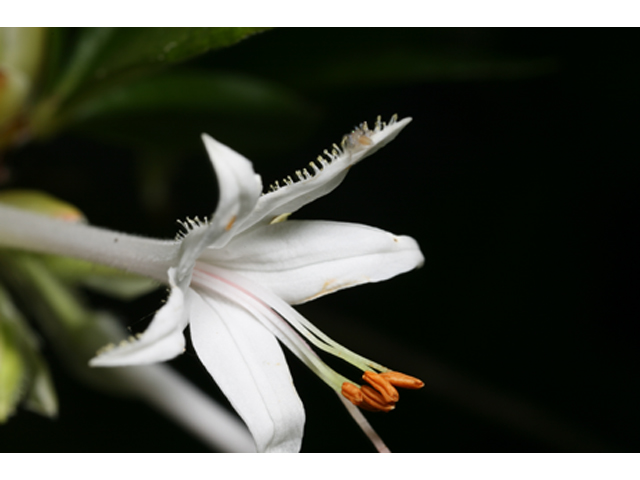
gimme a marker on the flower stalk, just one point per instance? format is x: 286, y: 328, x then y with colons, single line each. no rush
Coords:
x: 33, y: 232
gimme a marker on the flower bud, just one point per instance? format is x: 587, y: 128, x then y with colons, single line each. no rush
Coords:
x: 40, y: 202
x: 21, y: 53
x: 24, y: 376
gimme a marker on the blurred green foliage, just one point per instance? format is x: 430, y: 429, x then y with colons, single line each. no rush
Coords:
x: 123, y: 84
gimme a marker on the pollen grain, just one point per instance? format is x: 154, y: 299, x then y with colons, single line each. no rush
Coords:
x: 230, y: 224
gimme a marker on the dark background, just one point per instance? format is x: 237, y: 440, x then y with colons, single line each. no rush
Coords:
x: 521, y: 188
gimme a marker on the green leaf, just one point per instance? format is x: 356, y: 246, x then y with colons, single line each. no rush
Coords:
x: 171, y: 110
x: 107, y: 280
x: 218, y: 92
x: 107, y: 55
x: 59, y: 43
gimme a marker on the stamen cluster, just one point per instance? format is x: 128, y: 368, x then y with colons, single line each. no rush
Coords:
x: 380, y: 395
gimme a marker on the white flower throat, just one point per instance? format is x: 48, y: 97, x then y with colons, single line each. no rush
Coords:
x: 379, y: 391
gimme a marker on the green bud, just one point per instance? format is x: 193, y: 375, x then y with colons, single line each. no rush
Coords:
x: 12, y: 370
x: 21, y: 53
x: 22, y: 48
x: 41, y: 396
x: 40, y: 202
x: 24, y: 376
x: 74, y: 331
x: 14, y: 88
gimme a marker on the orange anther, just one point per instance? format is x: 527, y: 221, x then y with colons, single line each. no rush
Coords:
x: 352, y: 393
x: 230, y: 224
x: 403, y: 381
x: 366, y: 398
x: 370, y: 408
x: 373, y: 399
x: 364, y: 140
x: 382, y: 385
x: 380, y: 395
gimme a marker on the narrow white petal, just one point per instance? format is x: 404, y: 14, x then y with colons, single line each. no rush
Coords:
x: 239, y: 186
x: 163, y: 340
x: 303, y: 260
x: 328, y: 175
x: 249, y: 366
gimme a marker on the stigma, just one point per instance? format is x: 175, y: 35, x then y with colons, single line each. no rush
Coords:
x: 380, y: 393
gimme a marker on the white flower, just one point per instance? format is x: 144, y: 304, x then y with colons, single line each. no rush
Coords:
x: 237, y: 274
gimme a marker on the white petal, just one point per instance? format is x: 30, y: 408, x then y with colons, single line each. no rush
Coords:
x: 163, y: 339
x: 292, y: 197
x: 239, y: 188
x: 303, y: 260
x: 248, y: 365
